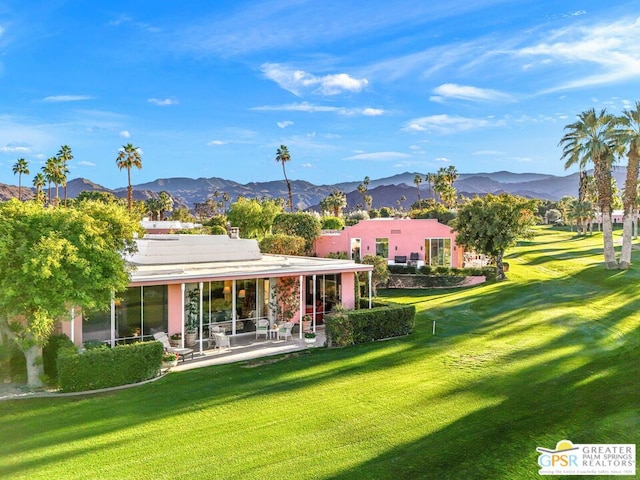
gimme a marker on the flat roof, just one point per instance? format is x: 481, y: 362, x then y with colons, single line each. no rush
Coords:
x: 189, y: 258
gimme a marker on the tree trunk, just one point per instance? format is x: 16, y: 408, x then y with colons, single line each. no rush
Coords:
x: 607, y: 234
x: 630, y: 199
x: 500, y: 267
x: 35, y: 369
x: 625, y: 254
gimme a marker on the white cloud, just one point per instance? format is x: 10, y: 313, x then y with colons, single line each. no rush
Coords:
x: 216, y: 143
x: 443, y: 159
x: 299, y: 81
x: 66, y: 98
x: 488, y: 152
x: 379, y: 156
x: 284, y: 124
x: 306, y: 165
x: 86, y: 164
x: 610, y: 51
x: 445, y: 124
x: 163, y: 103
x: 125, y: 134
x: 465, y: 92
x: 1, y: 30
x: 16, y: 147
x: 372, y: 112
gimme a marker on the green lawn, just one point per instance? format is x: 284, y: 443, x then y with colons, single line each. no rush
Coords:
x: 552, y: 353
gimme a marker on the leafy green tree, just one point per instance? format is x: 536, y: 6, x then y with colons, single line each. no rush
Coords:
x: 628, y: 133
x: 281, y: 244
x: 380, y: 274
x: 300, y: 224
x: 96, y: 195
x: 283, y: 156
x: 438, y: 212
x: 491, y: 224
x: 592, y: 139
x: 129, y: 157
x: 21, y: 167
x: 54, y: 258
x: 332, y: 223
x: 253, y: 217
x: 153, y: 206
x: 182, y: 214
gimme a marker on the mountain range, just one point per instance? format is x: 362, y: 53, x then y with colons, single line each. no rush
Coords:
x: 384, y: 191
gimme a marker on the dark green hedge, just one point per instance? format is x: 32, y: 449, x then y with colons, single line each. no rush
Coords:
x: 108, y: 367
x: 50, y: 354
x: 366, y: 325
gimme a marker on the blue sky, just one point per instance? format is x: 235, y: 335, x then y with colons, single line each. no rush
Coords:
x: 353, y: 88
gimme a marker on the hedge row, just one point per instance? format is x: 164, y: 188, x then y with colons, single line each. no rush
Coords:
x: 351, y: 327
x: 489, y: 272
x: 108, y: 367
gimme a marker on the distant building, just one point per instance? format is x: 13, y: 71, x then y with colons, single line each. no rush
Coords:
x: 400, y: 241
x: 167, y: 226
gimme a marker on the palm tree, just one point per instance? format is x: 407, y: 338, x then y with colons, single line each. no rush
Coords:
x: 64, y: 156
x: 225, y: 199
x: 20, y: 167
x: 628, y: 133
x: 283, y: 156
x: 39, y: 182
x: 335, y: 202
x: 166, y: 204
x: 51, y: 171
x: 417, y: 180
x: 591, y: 139
x: 128, y: 158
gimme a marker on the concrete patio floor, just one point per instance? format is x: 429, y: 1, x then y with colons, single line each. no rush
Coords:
x: 247, y: 347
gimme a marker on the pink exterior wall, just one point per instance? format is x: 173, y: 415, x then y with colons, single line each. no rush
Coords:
x: 348, y: 293
x: 405, y: 236
x: 174, y: 300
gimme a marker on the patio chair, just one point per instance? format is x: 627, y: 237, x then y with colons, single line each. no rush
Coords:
x: 262, y: 327
x: 163, y: 338
x: 284, y: 330
x: 222, y: 340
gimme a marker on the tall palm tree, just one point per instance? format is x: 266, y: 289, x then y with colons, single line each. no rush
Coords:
x: 417, y: 180
x: 20, y: 167
x: 334, y: 203
x: 628, y: 133
x: 591, y: 139
x: 129, y: 157
x: 51, y: 171
x: 165, y: 202
x: 39, y: 182
x: 283, y: 156
x: 64, y: 156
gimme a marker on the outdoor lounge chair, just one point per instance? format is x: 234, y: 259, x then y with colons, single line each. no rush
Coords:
x: 284, y: 330
x: 163, y: 338
x: 262, y: 327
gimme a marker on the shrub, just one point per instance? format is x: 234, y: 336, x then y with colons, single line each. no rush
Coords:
x: 345, y: 328
x: 50, y: 353
x: 108, y: 367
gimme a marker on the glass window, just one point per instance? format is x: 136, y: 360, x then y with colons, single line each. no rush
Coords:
x: 382, y: 247
x: 355, y: 249
x: 439, y: 252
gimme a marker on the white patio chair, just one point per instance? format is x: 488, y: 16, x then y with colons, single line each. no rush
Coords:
x: 163, y: 338
x: 222, y: 341
x: 284, y: 330
x: 262, y: 328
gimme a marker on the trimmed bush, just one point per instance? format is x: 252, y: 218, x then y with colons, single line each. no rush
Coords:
x: 50, y: 354
x: 349, y: 327
x: 108, y: 367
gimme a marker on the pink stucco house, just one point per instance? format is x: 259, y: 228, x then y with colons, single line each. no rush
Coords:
x: 410, y: 241
x: 228, y: 280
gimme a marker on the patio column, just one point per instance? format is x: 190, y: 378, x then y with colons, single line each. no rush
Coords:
x: 182, y: 289
x: 200, y: 286
x: 370, y: 276
x: 72, y: 331
x: 113, y: 320
x: 314, y: 312
x: 301, y: 304
x: 233, y: 307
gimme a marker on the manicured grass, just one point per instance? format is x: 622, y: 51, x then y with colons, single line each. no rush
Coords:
x: 552, y: 353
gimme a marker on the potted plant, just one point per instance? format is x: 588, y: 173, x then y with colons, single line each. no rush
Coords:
x: 306, y: 323
x: 309, y: 338
x: 176, y: 339
x: 169, y: 359
x: 191, y: 324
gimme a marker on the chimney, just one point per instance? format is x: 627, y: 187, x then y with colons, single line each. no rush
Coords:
x: 234, y: 232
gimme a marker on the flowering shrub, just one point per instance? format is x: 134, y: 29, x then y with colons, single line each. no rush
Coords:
x: 169, y: 357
